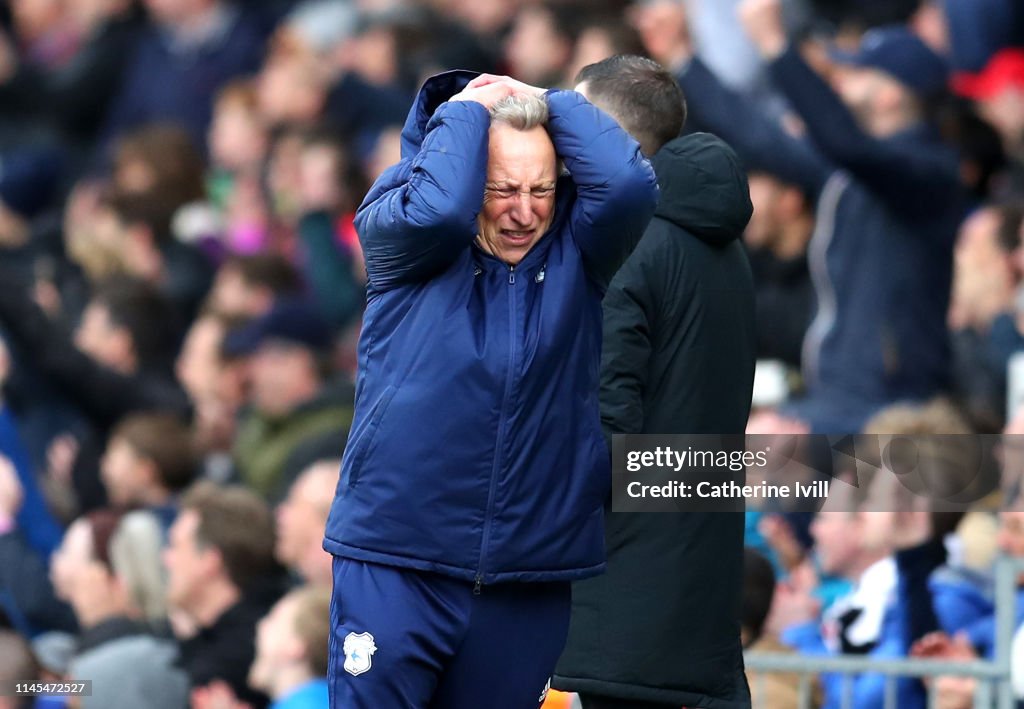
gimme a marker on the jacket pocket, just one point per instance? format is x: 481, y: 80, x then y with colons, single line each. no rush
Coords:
x: 365, y: 442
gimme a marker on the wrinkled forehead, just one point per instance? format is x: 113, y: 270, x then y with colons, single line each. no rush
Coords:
x: 520, y: 157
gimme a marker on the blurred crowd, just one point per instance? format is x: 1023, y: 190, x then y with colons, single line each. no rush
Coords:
x: 183, y: 288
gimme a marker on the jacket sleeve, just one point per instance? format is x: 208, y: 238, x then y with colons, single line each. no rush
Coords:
x: 630, y: 312
x: 759, y: 141
x: 616, y: 190
x: 910, y: 181
x: 421, y: 214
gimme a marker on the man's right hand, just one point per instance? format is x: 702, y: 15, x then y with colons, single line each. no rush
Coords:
x: 486, y: 95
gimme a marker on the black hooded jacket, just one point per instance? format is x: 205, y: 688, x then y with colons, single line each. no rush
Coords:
x: 662, y: 624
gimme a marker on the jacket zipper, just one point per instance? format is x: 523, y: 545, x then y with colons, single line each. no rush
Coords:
x: 479, y: 581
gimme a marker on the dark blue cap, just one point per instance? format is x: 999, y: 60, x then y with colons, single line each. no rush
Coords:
x: 295, y: 321
x: 28, y: 179
x: 900, y: 53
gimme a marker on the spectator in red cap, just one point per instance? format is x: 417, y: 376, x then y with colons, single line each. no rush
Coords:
x: 998, y: 93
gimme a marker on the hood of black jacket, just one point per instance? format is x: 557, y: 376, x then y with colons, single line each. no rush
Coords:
x: 703, y: 188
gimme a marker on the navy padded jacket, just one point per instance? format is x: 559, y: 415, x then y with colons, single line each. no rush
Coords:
x: 476, y: 449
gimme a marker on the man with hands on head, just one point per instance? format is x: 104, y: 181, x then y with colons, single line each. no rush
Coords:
x: 473, y: 483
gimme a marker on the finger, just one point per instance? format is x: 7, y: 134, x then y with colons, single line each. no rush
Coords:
x: 492, y: 93
x: 922, y: 646
x: 485, y: 80
x: 960, y: 640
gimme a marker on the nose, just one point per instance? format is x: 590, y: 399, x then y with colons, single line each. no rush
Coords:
x: 522, y: 209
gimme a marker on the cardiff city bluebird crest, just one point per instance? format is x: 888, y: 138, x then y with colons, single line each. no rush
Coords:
x: 359, y: 649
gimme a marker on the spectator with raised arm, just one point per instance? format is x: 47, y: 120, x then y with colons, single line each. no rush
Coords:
x: 886, y: 190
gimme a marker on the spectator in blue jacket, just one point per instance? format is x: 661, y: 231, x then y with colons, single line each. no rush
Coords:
x: 473, y: 484
x: 867, y: 621
x: 971, y: 615
x: 887, y: 198
x: 291, y: 650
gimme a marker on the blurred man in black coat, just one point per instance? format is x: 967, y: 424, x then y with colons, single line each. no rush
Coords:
x: 661, y: 627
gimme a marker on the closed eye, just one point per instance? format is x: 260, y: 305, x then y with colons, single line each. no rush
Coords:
x: 503, y: 192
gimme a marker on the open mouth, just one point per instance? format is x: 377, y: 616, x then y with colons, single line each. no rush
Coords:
x: 517, y: 238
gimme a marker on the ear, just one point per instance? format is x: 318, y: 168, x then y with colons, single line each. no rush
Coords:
x: 294, y: 649
x: 148, y: 472
x: 213, y: 561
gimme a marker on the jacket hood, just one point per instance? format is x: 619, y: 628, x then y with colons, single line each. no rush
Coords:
x: 703, y: 188
x: 435, y: 91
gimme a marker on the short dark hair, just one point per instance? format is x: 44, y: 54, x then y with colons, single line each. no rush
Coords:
x: 171, y: 154
x: 758, y: 592
x: 237, y: 523
x: 143, y: 209
x: 148, y: 317
x: 565, y: 17
x: 165, y: 440
x: 274, y: 272
x: 640, y: 94
x: 623, y: 37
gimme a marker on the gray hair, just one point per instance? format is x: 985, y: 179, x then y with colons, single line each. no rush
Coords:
x: 135, y: 557
x: 520, y: 111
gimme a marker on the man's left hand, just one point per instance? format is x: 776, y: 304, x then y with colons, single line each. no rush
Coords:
x: 517, y: 86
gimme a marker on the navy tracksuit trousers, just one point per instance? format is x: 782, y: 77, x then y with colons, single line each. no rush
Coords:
x: 406, y: 639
